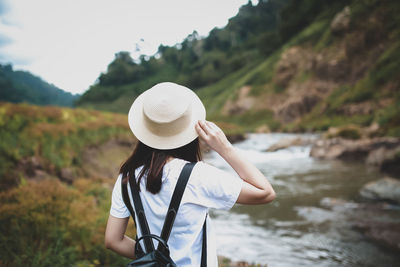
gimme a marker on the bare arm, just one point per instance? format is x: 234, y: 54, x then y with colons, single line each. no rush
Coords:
x: 115, y: 238
x: 256, y: 189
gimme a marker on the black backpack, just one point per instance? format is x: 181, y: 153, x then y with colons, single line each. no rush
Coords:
x: 160, y: 256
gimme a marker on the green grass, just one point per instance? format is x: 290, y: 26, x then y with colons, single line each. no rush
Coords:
x: 387, y: 67
x: 264, y: 72
x: 252, y: 119
x: 312, y: 34
x: 323, y: 122
x: 389, y: 118
x: 55, y: 136
x: 215, y: 96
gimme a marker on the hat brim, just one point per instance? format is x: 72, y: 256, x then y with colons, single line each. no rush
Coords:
x: 187, y: 135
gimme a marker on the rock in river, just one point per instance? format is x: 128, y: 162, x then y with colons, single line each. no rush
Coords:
x: 288, y: 142
x: 383, y: 152
x: 387, y: 189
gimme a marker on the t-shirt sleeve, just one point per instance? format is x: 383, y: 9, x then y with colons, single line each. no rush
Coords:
x: 214, y: 188
x: 118, y: 208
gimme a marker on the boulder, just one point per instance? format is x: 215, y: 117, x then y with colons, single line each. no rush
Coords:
x: 297, y: 107
x: 234, y: 138
x: 391, y: 164
x: 386, y: 189
x: 288, y: 142
x: 374, y: 220
x: 346, y: 149
x: 384, y: 233
x: 384, y: 155
x: 330, y: 148
x: 67, y: 175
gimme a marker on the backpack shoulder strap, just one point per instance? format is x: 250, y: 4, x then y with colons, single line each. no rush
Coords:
x: 148, y: 242
x: 125, y: 197
x: 204, y: 245
x: 176, y: 200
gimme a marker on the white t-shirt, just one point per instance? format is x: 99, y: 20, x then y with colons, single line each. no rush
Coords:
x: 208, y: 187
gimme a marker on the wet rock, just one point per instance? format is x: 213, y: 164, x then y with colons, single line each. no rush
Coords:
x: 383, y: 155
x: 384, y: 233
x: 374, y: 220
x: 391, y: 164
x: 328, y: 148
x: 288, y: 142
x: 383, y: 152
x: 332, y: 203
x: 234, y: 138
x: 355, y: 150
x: 387, y: 189
x: 341, y: 21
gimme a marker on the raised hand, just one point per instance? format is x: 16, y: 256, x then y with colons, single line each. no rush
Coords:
x: 256, y: 189
x: 213, y: 136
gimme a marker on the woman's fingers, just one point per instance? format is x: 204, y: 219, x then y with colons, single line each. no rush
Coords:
x: 200, y: 130
x: 206, y: 127
x: 214, y: 127
x: 212, y: 135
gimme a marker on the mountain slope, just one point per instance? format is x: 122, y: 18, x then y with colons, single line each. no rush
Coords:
x: 339, y: 70
x: 22, y: 86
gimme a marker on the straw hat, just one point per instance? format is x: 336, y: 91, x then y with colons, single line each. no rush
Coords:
x: 164, y: 116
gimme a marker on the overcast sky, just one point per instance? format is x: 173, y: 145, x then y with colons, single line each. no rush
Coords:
x: 70, y: 42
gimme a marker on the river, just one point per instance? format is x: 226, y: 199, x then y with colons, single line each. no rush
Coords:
x: 308, y: 224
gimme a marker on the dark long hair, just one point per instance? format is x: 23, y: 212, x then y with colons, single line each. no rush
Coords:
x: 153, y: 161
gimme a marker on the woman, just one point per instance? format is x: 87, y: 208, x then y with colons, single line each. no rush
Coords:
x: 168, y: 120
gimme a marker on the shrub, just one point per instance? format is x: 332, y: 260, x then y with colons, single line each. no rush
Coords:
x: 47, y: 223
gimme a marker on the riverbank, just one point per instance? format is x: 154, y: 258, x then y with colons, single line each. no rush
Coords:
x: 379, y: 198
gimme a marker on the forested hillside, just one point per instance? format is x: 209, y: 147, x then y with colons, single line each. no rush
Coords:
x: 297, y: 65
x: 22, y: 86
x: 196, y: 62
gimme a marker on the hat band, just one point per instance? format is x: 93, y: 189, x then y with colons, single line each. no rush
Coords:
x: 169, y: 128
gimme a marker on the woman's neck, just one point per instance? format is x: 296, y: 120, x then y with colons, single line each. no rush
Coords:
x: 169, y: 159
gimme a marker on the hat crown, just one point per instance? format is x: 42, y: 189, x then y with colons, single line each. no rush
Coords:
x: 164, y: 116
x: 166, y: 102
